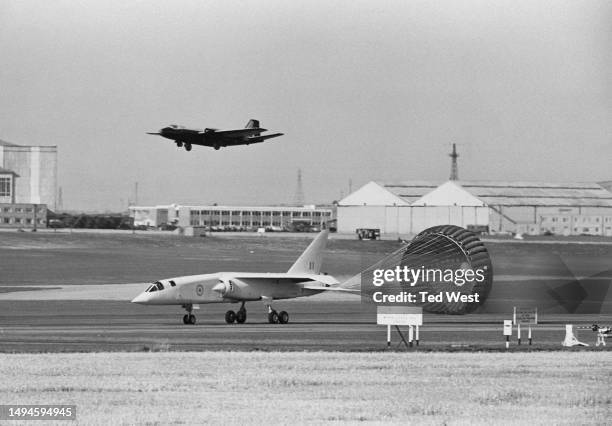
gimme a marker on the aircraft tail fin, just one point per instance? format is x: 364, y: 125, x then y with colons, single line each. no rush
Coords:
x: 252, y: 124
x: 310, y: 261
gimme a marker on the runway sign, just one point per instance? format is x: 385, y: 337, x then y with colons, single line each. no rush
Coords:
x: 399, y: 315
x: 525, y: 316
x: 507, y: 327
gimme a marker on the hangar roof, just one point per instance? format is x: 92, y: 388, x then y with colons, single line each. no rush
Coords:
x: 410, y: 191
x: 539, y: 193
x: 490, y: 192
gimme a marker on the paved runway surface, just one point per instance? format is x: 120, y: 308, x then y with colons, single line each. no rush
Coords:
x: 61, y: 326
x: 68, y: 305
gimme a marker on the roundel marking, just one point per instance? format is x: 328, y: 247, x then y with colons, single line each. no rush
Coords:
x: 200, y: 290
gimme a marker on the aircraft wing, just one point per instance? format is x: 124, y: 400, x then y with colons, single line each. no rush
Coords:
x: 256, y: 139
x: 237, y: 132
x: 320, y: 287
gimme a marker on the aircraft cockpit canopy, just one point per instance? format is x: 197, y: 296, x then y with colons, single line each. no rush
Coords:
x: 155, y: 287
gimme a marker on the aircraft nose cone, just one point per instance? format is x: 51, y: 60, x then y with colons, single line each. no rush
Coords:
x: 219, y: 288
x: 141, y: 298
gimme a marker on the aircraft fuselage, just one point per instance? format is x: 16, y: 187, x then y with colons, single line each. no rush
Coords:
x: 227, y: 287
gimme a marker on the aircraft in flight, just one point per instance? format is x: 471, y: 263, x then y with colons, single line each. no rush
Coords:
x: 302, y: 279
x: 215, y: 138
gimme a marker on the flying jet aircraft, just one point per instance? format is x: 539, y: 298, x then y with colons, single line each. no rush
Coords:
x: 302, y: 279
x: 215, y: 138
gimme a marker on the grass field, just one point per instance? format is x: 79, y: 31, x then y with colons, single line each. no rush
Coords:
x: 289, y: 387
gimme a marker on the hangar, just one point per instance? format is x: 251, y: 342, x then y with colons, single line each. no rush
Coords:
x: 406, y: 208
x: 28, y: 183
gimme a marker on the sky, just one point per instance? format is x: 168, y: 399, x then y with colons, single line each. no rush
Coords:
x: 363, y: 90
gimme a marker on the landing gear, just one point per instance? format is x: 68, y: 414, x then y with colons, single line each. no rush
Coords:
x: 274, y: 317
x: 230, y: 317
x: 217, y: 147
x: 187, y: 147
x: 239, y: 317
x: 179, y: 144
x: 189, y: 318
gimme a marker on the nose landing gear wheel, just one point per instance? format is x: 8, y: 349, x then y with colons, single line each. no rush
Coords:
x: 230, y: 317
x: 187, y: 147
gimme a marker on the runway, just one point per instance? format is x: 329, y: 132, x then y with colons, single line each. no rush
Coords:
x: 85, y: 326
x: 78, y: 289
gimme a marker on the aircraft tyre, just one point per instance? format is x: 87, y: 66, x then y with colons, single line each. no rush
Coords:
x: 273, y: 317
x: 230, y: 317
x: 283, y: 317
x: 192, y: 319
x: 241, y: 316
x: 179, y: 144
x: 187, y: 147
x: 217, y: 147
x: 185, y: 319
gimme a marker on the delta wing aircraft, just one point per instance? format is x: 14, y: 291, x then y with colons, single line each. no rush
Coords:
x: 215, y: 138
x: 302, y: 279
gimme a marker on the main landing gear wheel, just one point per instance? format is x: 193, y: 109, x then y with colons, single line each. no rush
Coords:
x: 283, y: 317
x: 216, y: 147
x: 179, y: 144
x: 187, y: 147
x: 273, y: 317
x: 230, y: 317
x: 241, y: 316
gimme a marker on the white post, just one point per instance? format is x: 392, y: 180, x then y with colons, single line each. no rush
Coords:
x: 529, y: 335
x: 417, y: 335
x: 388, y: 335
x: 410, y: 335
x: 514, y: 316
x: 518, y: 333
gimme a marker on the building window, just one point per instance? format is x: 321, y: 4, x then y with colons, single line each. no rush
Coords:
x: 7, y: 220
x: 5, y: 186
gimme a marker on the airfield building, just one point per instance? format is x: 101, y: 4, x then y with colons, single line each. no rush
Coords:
x: 232, y: 217
x: 534, y: 208
x: 28, y: 184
